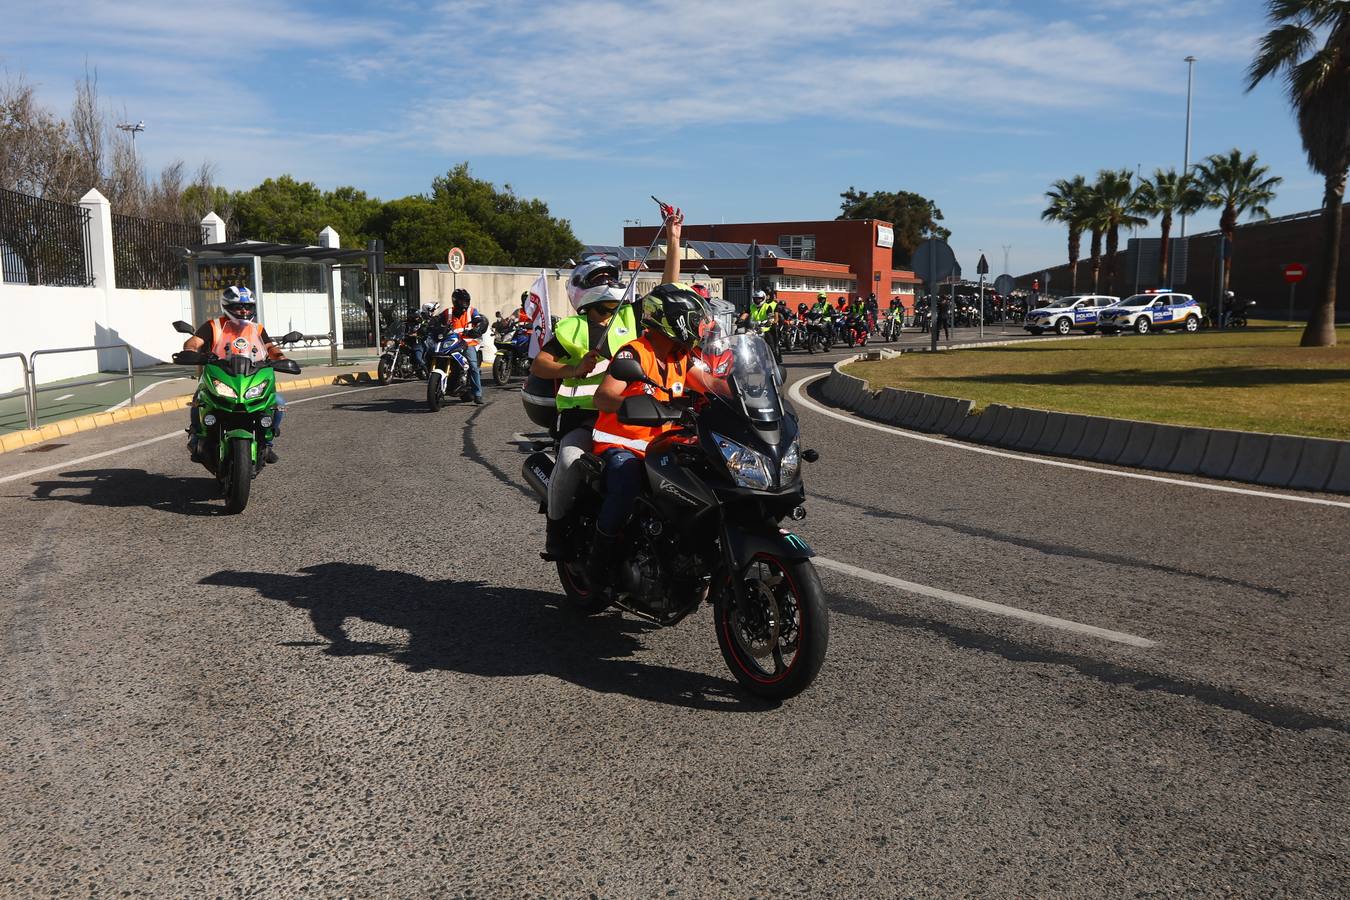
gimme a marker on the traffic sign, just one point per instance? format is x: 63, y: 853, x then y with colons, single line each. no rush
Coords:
x: 933, y: 261
x: 1005, y: 284
x: 1295, y: 272
x: 456, y: 260
x: 1045, y: 279
x: 982, y: 267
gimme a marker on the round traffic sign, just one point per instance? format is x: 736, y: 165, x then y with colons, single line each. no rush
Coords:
x: 456, y: 260
x: 1295, y: 272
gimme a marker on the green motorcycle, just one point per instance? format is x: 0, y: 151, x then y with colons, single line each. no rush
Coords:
x: 236, y: 399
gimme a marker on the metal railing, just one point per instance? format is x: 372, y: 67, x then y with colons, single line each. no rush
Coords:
x: 34, y: 389
x: 144, y: 254
x: 27, y: 388
x: 43, y: 242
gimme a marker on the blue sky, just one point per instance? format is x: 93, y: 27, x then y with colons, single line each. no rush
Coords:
x: 738, y: 111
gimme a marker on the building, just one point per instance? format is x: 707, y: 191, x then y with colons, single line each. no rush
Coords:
x: 1261, y: 250
x: 842, y: 257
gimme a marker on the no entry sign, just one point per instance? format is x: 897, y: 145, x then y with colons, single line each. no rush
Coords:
x: 1295, y: 272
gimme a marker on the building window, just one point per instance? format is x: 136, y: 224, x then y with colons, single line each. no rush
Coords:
x: 902, y: 287
x: 798, y: 246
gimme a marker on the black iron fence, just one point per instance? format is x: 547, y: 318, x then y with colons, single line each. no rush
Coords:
x: 43, y: 242
x: 148, y: 255
x: 398, y: 300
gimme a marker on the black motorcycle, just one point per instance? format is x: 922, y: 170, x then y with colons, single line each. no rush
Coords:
x: 707, y: 526
x: 513, y: 355
x: 398, y: 360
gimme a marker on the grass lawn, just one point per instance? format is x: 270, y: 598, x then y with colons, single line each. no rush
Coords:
x: 1251, y: 379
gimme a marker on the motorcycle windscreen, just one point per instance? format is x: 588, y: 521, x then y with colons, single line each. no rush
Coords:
x: 741, y: 370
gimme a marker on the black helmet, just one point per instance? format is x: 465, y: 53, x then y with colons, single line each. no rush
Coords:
x: 460, y: 297
x: 677, y: 312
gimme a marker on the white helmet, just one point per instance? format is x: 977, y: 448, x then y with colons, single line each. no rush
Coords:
x: 238, y: 303
x: 760, y: 295
x: 429, y: 307
x: 593, y: 282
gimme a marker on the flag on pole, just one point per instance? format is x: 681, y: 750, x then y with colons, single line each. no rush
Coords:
x: 541, y: 319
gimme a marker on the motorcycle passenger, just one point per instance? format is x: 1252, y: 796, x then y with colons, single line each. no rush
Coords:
x: 674, y: 318
x: 235, y: 333
x: 579, y: 354
x: 467, y: 322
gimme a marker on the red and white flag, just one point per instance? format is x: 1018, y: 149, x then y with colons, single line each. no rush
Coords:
x: 541, y: 319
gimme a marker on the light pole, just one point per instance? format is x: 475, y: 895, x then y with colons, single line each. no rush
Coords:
x: 1007, y: 248
x: 133, y: 130
x: 1185, y: 170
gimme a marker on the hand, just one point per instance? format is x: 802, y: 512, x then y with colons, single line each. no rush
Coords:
x: 588, y: 363
x: 674, y: 225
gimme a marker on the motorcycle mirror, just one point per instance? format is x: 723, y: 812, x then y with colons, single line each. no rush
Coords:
x: 289, y: 366
x: 292, y: 338
x: 183, y: 328
x: 189, y: 358
x: 629, y: 370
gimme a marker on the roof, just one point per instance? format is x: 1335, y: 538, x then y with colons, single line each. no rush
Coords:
x: 697, y: 250
x: 297, y: 252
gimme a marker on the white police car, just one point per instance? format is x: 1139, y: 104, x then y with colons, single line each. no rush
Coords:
x: 1080, y: 311
x: 1151, y: 311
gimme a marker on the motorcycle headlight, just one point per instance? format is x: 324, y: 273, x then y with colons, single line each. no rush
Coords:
x: 791, y: 466
x: 255, y: 391
x: 748, y: 468
x: 224, y: 389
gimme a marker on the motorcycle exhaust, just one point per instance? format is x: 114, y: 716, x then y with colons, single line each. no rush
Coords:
x: 538, y: 471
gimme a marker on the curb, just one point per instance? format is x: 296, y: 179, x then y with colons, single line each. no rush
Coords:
x: 65, y: 427
x: 1272, y: 460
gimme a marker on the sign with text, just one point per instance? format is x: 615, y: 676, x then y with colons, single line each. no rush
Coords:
x: 885, y: 236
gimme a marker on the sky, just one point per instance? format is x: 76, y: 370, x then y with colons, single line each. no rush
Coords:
x: 741, y: 111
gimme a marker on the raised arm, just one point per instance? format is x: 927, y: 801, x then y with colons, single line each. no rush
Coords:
x: 674, y: 225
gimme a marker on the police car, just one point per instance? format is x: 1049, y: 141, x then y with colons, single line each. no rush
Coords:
x: 1064, y: 315
x: 1152, y: 310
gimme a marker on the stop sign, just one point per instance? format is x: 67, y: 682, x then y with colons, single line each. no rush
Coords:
x: 1295, y: 272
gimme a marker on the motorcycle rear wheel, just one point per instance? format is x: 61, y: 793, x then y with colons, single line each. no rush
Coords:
x: 784, y: 611
x: 239, y: 478
x: 580, y: 596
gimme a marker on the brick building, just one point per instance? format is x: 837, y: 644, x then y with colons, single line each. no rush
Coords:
x: 842, y: 257
x: 1261, y: 250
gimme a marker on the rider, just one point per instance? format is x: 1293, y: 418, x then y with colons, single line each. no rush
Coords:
x: 235, y: 333
x: 419, y: 329
x: 674, y: 318
x: 467, y: 322
x: 579, y: 354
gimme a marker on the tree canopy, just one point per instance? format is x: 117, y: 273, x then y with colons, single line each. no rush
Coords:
x: 914, y: 216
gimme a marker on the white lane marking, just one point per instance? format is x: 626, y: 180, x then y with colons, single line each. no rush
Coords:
x: 103, y: 384
x: 63, y: 397
x: 797, y: 393
x: 143, y: 391
x: 155, y: 440
x: 998, y: 609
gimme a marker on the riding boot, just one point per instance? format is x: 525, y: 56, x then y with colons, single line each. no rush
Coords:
x: 600, y: 564
x: 556, y: 546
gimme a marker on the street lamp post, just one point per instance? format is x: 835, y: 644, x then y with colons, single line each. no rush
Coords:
x: 1185, y: 170
x: 133, y: 130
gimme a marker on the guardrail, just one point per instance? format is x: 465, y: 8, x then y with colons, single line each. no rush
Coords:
x: 27, y: 388
x: 31, y: 389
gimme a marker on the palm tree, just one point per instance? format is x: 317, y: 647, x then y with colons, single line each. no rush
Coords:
x: 1116, y: 208
x: 1237, y: 185
x: 1318, y: 81
x: 1166, y: 194
x: 1066, y: 198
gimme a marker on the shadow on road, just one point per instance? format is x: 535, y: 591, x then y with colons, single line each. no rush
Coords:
x: 485, y: 630
x: 188, y: 496
x: 386, y: 405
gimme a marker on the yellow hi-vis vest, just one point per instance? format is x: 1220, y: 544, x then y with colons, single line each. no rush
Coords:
x: 574, y: 335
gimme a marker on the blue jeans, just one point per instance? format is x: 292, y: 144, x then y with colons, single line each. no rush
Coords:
x: 475, y: 375
x: 623, y: 481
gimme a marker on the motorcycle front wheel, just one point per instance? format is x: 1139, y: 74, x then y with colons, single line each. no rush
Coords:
x: 501, y: 369
x: 774, y: 638
x: 435, y: 392
x: 239, y: 478
x: 385, y: 370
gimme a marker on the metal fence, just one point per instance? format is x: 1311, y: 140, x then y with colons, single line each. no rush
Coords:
x: 144, y: 252
x: 43, y: 242
x: 279, y: 277
x: 398, y: 300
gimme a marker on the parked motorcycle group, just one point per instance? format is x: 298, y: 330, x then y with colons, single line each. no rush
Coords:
x: 706, y: 529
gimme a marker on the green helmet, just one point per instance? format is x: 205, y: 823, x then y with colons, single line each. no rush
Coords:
x: 677, y: 312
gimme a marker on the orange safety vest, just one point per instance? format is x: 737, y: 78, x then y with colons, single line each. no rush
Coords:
x: 670, y: 373
x: 462, y: 323
x: 231, y: 338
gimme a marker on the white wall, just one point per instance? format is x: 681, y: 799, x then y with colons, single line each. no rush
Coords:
x: 144, y: 319
x: 35, y: 318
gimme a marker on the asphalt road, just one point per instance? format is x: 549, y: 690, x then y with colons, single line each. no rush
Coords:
x: 365, y: 685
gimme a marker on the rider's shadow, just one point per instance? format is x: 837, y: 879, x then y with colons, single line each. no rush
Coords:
x: 485, y: 630
x: 114, y: 488
x: 386, y: 405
